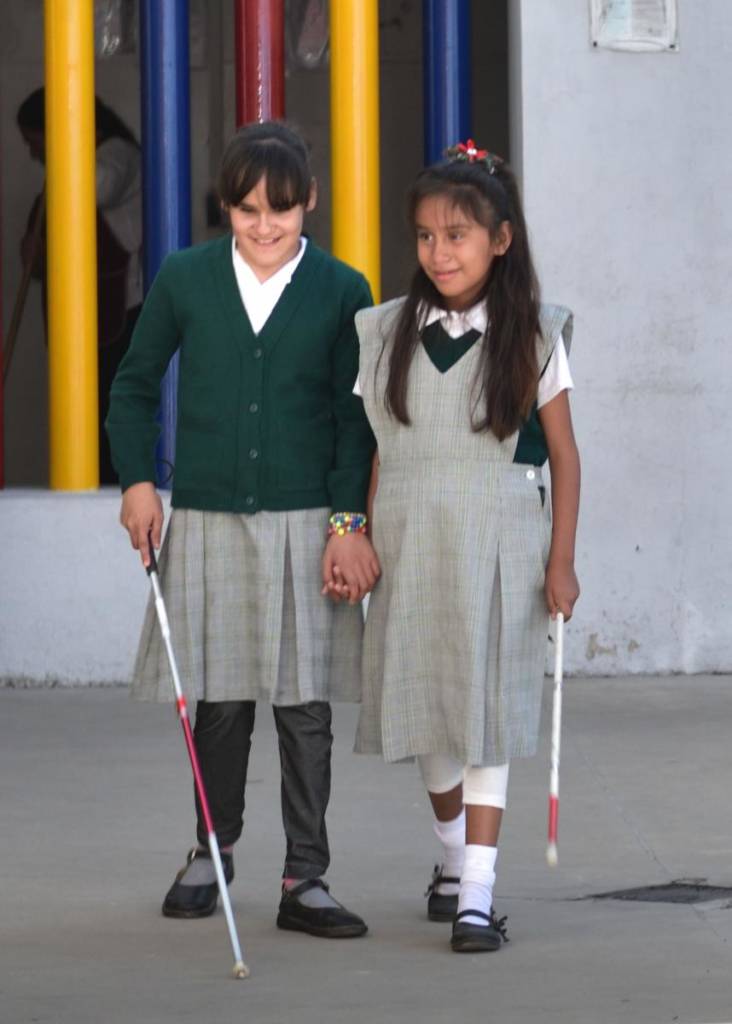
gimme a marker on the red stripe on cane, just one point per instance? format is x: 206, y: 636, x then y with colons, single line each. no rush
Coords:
x: 182, y: 706
x: 553, y: 818
x: 198, y: 779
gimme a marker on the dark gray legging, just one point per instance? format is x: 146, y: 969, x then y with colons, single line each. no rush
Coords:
x: 223, y: 734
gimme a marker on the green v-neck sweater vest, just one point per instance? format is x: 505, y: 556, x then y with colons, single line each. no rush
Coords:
x: 265, y: 421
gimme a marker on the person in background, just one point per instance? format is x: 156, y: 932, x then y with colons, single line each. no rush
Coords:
x: 119, y: 241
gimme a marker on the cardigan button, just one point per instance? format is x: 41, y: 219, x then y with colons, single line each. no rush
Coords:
x: 249, y: 500
x: 257, y: 353
x: 253, y: 453
x: 254, y: 407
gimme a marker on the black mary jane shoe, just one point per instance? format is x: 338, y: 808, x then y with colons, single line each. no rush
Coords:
x: 326, y: 922
x: 196, y: 900
x: 478, y: 938
x: 441, y: 907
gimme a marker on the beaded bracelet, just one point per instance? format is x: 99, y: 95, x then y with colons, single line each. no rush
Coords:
x: 346, y: 522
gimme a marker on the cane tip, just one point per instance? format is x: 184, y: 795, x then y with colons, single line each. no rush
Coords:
x: 552, y: 857
x: 240, y: 970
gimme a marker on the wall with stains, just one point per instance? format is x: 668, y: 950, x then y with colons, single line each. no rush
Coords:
x: 626, y: 162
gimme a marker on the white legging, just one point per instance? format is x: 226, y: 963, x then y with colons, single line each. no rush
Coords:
x: 485, y: 786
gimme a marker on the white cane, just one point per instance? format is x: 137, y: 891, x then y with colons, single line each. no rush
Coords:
x: 551, y: 849
x: 240, y: 969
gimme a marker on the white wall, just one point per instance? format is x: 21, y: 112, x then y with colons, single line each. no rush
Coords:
x: 72, y: 591
x: 627, y: 163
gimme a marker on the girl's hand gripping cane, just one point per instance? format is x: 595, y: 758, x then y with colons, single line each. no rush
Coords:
x: 240, y: 968
x: 551, y: 849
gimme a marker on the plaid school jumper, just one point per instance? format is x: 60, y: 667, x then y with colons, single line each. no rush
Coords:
x: 456, y: 630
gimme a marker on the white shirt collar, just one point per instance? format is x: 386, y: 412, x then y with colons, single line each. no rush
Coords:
x: 278, y: 280
x: 457, y: 324
x: 260, y: 297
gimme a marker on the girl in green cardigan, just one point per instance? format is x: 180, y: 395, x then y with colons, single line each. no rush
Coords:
x: 271, y: 445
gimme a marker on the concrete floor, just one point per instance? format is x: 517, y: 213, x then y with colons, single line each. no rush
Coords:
x: 95, y: 799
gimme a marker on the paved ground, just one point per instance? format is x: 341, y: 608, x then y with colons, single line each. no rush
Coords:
x: 94, y: 796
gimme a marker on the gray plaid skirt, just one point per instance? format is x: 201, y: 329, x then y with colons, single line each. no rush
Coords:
x: 456, y: 631
x: 246, y: 615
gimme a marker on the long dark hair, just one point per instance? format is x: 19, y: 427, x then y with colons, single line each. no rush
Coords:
x: 31, y: 116
x: 272, y: 150
x: 507, y: 373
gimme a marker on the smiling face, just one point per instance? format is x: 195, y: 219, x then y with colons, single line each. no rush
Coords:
x: 266, y: 238
x: 455, y: 251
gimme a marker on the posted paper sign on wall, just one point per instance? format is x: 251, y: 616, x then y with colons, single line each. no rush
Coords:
x: 637, y: 25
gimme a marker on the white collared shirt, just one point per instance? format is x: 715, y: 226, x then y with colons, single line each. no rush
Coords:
x: 260, y: 297
x: 555, y: 378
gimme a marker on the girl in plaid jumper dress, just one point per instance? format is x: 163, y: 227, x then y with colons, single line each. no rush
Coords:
x: 465, y: 383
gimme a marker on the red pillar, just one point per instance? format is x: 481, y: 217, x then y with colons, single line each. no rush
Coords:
x: 260, y: 60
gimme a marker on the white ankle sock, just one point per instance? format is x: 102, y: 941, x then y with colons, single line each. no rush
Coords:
x: 452, y: 836
x: 477, y: 881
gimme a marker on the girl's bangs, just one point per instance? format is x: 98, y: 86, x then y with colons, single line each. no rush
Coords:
x: 469, y: 191
x: 288, y: 183
x: 478, y: 209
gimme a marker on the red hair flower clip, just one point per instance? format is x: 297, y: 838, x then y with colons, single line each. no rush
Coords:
x: 468, y: 152
x: 471, y: 151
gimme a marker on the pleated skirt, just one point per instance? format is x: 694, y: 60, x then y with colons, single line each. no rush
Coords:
x: 456, y: 631
x: 247, y: 618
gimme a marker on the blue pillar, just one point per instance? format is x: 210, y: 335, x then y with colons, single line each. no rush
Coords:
x: 447, y: 113
x: 166, y: 149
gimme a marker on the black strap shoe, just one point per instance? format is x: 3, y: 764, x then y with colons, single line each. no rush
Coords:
x: 196, y: 900
x: 327, y: 922
x: 441, y: 907
x: 478, y: 938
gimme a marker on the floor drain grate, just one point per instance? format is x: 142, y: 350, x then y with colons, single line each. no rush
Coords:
x: 684, y: 890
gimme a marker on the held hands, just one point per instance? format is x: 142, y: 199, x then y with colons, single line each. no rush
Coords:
x: 561, y: 588
x: 350, y: 568
x: 142, y: 514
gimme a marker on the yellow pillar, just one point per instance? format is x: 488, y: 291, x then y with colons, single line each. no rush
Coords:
x: 354, y: 104
x: 71, y: 234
